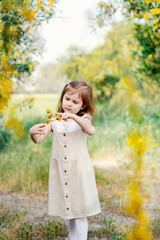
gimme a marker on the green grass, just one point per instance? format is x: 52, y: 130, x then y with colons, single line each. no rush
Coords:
x: 22, y: 169
x: 14, y: 225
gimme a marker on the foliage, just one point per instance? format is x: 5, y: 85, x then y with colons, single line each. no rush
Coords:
x: 104, y: 66
x: 18, y: 24
x: 144, y: 16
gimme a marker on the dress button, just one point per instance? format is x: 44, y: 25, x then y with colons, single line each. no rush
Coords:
x: 67, y: 208
x: 64, y: 134
x: 66, y: 183
x: 65, y: 171
x: 66, y: 196
x: 65, y: 158
x: 65, y: 146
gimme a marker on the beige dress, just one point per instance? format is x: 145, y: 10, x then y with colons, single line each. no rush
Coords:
x: 72, y: 187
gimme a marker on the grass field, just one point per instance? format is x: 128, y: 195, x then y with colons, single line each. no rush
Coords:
x: 22, y: 170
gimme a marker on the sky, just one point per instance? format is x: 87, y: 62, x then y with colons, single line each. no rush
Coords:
x: 70, y: 27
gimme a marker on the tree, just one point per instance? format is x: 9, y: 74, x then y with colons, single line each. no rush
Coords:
x: 19, y: 22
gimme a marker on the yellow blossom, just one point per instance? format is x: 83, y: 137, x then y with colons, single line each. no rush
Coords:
x: 101, y: 4
x: 134, y: 26
x: 153, y: 144
x: 147, y: 15
x: 122, y: 133
x: 16, y: 54
x: 147, y: 147
x: 4, y: 59
x: 119, y: 193
x: 149, y: 127
x: 148, y: 139
x: 109, y: 196
x: 155, y: 11
x: 113, y: 223
x: 148, y: 1
x: 15, y: 72
x: 30, y: 68
x: 139, y: 15
x: 33, y: 149
x: 152, y: 164
x: 156, y: 27
x: 125, y: 196
x: 115, y: 191
x: 58, y: 118
x: 1, y: 26
x: 155, y: 21
x: 105, y: 132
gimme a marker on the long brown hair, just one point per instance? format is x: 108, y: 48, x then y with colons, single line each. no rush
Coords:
x: 85, y: 93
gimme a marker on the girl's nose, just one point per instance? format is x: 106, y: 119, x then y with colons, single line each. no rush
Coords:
x: 69, y: 103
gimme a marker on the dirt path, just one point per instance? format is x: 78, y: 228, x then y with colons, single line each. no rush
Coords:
x: 36, y: 207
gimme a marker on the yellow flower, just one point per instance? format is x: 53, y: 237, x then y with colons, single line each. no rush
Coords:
x: 139, y: 14
x: 147, y: 183
x: 30, y: 68
x: 33, y: 149
x: 148, y: 1
x: 39, y: 4
x: 115, y: 191
x: 125, y: 196
x: 156, y: 27
x: 155, y: 11
x: 28, y: 14
x: 58, y: 118
x: 48, y: 121
x: 4, y: 59
x: 147, y: 15
x: 122, y: 133
x: 152, y: 164
x: 153, y: 144
x: 16, y: 54
x: 113, y: 223
x: 15, y: 72
x: 119, y: 193
x: 101, y: 4
x: 134, y: 26
x: 148, y: 139
x: 149, y: 127
x: 1, y: 26
x: 155, y: 21
x: 11, y: 29
x: 109, y: 196
x: 105, y: 132
x: 147, y: 147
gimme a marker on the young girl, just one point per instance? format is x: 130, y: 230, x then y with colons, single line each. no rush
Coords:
x: 72, y: 188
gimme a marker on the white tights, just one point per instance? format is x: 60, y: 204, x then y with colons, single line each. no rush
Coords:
x: 78, y: 228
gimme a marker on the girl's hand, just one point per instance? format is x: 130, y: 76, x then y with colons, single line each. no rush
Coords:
x: 38, y: 129
x: 66, y: 115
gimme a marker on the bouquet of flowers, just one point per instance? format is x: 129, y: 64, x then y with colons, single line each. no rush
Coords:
x: 50, y: 118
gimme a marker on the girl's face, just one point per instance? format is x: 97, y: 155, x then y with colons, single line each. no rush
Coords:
x: 72, y: 102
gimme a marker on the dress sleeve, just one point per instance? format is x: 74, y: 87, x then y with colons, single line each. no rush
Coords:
x: 52, y: 125
x: 86, y: 115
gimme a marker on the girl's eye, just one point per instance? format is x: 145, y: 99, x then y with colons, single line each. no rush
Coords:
x: 74, y: 102
x: 67, y: 98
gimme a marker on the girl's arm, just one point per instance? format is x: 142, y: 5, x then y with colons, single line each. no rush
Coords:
x: 42, y: 129
x: 85, y: 123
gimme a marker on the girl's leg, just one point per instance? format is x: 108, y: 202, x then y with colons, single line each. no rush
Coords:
x: 72, y: 229
x: 78, y: 229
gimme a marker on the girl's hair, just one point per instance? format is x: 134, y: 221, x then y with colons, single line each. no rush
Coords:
x: 85, y: 93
